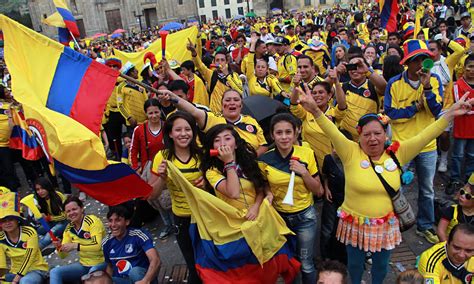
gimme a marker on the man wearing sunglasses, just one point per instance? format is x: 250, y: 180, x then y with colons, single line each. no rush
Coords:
x: 458, y: 213
x: 452, y: 261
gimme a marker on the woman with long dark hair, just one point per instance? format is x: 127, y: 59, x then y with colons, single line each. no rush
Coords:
x: 50, y: 205
x: 181, y: 149
x: 234, y: 173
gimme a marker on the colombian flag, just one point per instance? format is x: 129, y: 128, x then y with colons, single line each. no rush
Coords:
x: 63, y: 94
x: 388, y: 14
x: 230, y: 249
x: 67, y: 16
x: 22, y: 138
x: 56, y: 20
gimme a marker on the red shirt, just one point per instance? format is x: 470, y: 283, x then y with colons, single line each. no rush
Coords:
x: 138, y: 152
x: 190, y: 86
x: 463, y: 125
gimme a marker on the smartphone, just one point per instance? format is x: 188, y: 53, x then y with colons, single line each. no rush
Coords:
x: 351, y: 67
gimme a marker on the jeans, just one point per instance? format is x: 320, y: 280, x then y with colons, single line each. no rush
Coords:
x: 166, y: 216
x: 56, y: 227
x: 461, y: 147
x: 356, y: 262
x: 136, y: 274
x: 186, y: 246
x: 72, y: 272
x: 425, y: 165
x: 303, y: 224
x: 32, y: 277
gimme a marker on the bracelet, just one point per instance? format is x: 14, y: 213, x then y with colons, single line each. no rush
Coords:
x: 231, y: 165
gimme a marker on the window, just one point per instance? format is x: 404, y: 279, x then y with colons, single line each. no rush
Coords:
x: 226, y: 2
x: 307, y: 2
x: 214, y: 14
x: 240, y: 1
x: 227, y: 13
x: 213, y: 3
x: 180, y: 2
x: 201, y: 3
x: 203, y: 18
x: 240, y: 10
x: 322, y: 2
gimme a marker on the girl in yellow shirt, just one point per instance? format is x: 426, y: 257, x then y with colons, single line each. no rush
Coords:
x: 50, y: 205
x: 233, y: 173
x: 181, y: 149
x: 277, y: 165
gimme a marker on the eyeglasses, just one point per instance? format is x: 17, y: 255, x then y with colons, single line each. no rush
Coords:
x: 467, y: 195
x: 88, y: 276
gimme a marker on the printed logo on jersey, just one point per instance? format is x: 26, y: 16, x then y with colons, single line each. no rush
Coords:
x: 249, y: 128
x: 112, y: 251
x: 468, y: 278
x: 87, y: 235
x: 128, y: 248
x: 123, y: 266
x: 366, y: 93
x: 24, y: 245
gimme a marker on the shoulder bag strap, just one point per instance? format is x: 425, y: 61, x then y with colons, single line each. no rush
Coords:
x: 145, y: 130
x: 391, y: 192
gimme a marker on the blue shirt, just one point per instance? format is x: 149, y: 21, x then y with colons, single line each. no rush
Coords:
x: 128, y: 252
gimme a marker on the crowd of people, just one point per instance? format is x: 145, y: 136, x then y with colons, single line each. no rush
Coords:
x: 360, y: 110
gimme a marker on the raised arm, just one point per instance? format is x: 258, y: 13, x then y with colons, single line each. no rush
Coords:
x: 412, y: 147
x: 199, y: 115
x: 205, y: 72
x: 343, y: 146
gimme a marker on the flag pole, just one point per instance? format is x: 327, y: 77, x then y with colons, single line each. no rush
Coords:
x: 141, y: 84
x: 75, y: 41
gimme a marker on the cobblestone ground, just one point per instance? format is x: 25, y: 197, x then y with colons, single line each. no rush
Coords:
x: 402, y: 258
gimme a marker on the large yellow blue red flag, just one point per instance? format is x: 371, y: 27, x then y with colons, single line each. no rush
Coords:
x: 230, y: 249
x: 63, y: 94
x: 56, y: 20
x: 388, y: 14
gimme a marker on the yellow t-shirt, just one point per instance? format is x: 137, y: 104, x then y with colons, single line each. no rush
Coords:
x: 287, y: 68
x: 5, y: 130
x: 130, y: 102
x: 360, y: 101
x: 247, y: 190
x: 25, y: 255
x: 269, y: 87
x: 247, y: 128
x: 190, y: 170
x: 431, y: 266
x: 62, y: 215
x: 89, y: 237
x: 362, y: 181
x: 277, y: 171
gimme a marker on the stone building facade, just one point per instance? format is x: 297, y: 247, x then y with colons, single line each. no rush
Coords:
x: 105, y: 16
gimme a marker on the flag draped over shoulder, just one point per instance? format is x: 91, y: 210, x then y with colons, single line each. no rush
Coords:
x: 22, y: 138
x: 230, y: 249
x: 175, y: 48
x: 63, y: 95
x: 388, y: 14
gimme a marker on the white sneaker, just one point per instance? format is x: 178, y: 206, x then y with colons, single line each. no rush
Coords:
x: 82, y: 196
x: 443, y: 165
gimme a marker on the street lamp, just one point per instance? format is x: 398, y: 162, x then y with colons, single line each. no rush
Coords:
x: 139, y: 19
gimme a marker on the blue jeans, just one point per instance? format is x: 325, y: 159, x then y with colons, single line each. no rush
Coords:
x: 32, y: 277
x: 136, y: 274
x: 462, y: 147
x: 56, y: 227
x: 72, y: 272
x: 303, y: 224
x: 425, y: 165
x: 356, y: 262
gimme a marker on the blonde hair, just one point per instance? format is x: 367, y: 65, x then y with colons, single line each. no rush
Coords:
x: 410, y: 277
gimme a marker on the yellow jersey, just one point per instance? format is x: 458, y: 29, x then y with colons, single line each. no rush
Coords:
x: 130, y: 102
x: 435, y: 267
x: 5, y: 129
x: 247, y: 190
x: 24, y: 255
x: 269, y: 86
x: 287, y: 67
x: 190, y: 170
x: 246, y: 126
x: 89, y: 237
x: 277, y: 171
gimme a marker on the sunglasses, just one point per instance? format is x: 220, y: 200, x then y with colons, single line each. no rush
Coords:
x: 467, y: 195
